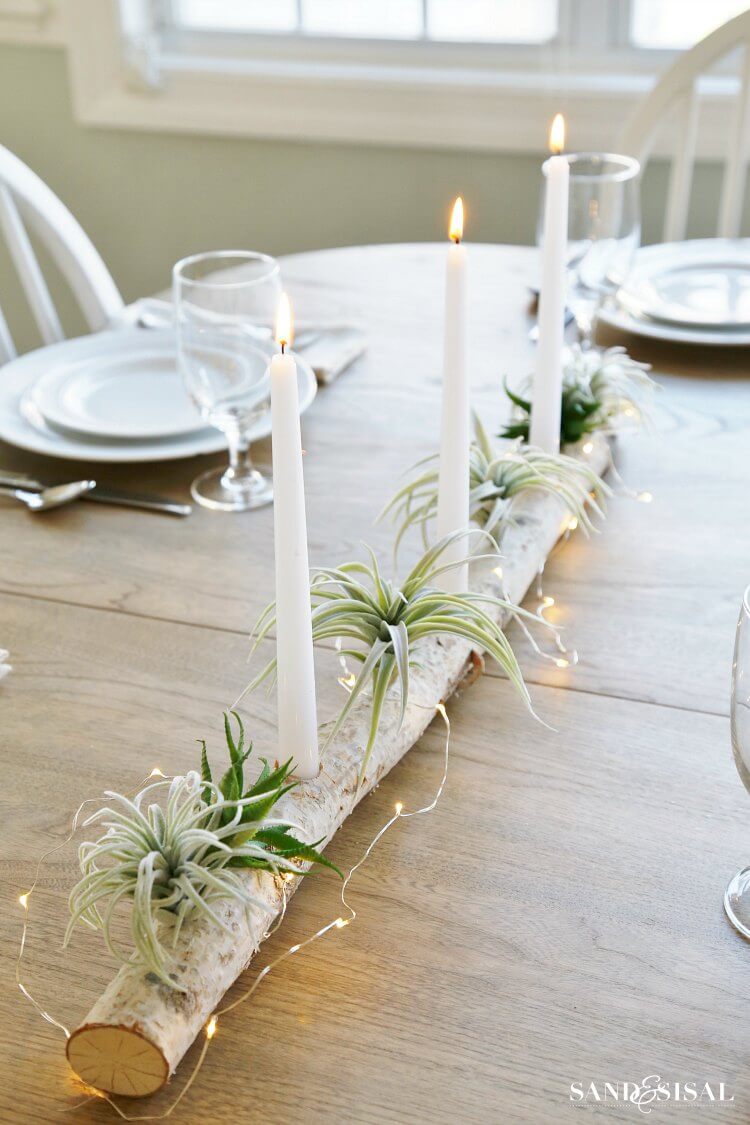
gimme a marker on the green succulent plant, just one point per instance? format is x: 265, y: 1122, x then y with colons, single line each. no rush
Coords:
x: 383, y: 625
x: 599, y: 388
x: 496, y: 477
x: 168, y: 862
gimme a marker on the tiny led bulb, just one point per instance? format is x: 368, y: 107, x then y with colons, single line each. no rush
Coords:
x: 588, y: 447
x: 341, y: 922
x: 24, y: 900
x: 211, y: 1026
x: 156, y: 772
x: 645, y: 497
x: 498, y: 571
x: 561, y: 662
x: 573, y: 525
x: 399, y: 808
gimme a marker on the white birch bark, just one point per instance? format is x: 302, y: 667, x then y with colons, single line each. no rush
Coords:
x: 136, y: 1033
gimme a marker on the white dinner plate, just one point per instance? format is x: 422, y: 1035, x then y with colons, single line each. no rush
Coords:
x: 618, y: 317
x: 118, y: 385
x: 22, y: 424
x: 701, y: 284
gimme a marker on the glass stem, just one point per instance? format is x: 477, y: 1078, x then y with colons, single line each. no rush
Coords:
x: 241, y: 472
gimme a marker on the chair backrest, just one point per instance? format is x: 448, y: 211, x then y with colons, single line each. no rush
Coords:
x: 676, y: 93
x: 26, y: 201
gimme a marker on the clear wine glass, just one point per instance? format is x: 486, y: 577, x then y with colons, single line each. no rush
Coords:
x: 225, y: 303
x: 604, y: 231
x: 737, y: 895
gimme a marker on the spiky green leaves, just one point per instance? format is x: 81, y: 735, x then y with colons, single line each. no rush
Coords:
x: 598, y: 389
x: 168, y: 862
x: 496, y: 478
x: 384, y: 625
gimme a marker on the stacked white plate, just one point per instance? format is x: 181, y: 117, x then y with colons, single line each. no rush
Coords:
x: 694, y: 292
x: 115, y: 396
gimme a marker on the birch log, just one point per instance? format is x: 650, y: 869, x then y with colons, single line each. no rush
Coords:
x: 137, y: 1032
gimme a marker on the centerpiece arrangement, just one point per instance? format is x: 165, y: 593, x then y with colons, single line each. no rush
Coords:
x: 205, y: 867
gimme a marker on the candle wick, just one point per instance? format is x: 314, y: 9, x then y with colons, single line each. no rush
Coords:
x: 456, y: 239
x: 283, y: 345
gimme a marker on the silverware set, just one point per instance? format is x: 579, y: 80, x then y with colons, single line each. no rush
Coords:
x: 39, y: 497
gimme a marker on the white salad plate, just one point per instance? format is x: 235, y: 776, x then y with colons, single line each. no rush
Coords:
x: 125, y: 385
x: 23, y: 424
x: 699, y: 287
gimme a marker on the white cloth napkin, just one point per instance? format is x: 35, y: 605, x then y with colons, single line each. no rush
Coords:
x: 333, y: 350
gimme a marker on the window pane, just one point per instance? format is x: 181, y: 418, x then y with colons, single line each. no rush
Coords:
x: 386, y: 19
x: 679, y: 23
x: 488, y: 21
x: 502, y: 21
x: 237, y: 15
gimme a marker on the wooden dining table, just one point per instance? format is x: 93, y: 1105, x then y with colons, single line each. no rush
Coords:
x: 557, y: 919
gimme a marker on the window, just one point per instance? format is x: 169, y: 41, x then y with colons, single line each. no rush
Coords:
x: 678, y: 23
x: 481, y: 21
x: 482, y: 75
x: 664, y: 24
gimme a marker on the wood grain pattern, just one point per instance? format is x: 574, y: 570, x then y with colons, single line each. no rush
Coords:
x: 589, y: 942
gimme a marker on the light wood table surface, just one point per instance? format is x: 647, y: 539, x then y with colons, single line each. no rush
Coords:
x: 558, y: 918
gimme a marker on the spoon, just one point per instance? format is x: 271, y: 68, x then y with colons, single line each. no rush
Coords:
x: 49, y: 498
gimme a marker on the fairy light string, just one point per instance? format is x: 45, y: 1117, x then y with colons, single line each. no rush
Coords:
x: 563, y: 658
x: 211, y: 1027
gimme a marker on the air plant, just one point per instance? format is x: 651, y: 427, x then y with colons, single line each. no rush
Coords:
x: 174, y: 861
x: 383, y: 625
x: 599, y: 389
x: 496, y: 478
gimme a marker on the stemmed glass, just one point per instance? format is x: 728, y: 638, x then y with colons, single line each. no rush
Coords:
x: 604, y: 231
x: 225, y: 304
x: 737, y: 895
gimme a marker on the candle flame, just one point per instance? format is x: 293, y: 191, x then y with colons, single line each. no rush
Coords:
x: 456, y: 229
x: 284, y: 331
x: 557, y: 134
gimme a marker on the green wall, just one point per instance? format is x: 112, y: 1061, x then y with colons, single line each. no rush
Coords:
x: 147, y: 199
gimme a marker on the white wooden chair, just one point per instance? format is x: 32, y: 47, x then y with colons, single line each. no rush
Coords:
x: 26, y: 201
x: 676, y: 93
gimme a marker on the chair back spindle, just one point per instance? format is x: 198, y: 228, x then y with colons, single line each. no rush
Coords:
x: 676, y: 96
x: 28, y: 205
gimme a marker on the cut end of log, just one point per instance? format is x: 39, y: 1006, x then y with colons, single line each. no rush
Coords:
x: 116, y: 1059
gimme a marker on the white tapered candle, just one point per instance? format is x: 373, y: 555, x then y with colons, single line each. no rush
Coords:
x: 544, y: 430
x: 297, y: 710
x: 453, y: 481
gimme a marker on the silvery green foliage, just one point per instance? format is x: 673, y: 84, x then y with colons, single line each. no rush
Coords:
x: 168, y: 860
x: 496, y: 477
x: 601, y: 391
x: 383, y: 624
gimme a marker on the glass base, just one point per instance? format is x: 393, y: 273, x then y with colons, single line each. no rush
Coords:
x: 737, y: 902
x: 211, y: 490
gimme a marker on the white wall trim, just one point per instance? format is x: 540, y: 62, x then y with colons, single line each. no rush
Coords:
x: 32, y: 22
x: 330, y: 99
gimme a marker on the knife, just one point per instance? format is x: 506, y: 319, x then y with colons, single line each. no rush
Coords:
x: 99, y: 495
